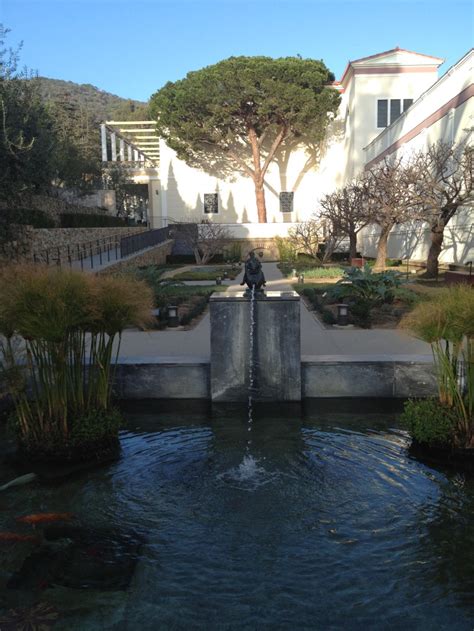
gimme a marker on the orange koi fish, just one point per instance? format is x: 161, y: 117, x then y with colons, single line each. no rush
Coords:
x: 44, y: 518
x: 11, y: 537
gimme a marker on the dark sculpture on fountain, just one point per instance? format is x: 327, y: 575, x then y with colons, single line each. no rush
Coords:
x: 253, y: 274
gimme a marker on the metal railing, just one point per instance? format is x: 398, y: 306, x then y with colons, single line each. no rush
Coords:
x: 93, y: 254
x: 135, y: 243
x: 88, y: 253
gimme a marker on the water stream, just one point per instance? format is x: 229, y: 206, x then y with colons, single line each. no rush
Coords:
x: 252, y: 367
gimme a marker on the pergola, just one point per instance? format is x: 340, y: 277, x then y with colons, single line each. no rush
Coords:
x: 137, y: 142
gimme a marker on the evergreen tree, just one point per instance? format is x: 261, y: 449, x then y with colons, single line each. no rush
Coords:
x: 239, y: 112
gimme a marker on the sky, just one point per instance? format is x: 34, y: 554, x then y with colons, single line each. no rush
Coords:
x: 133, y: 47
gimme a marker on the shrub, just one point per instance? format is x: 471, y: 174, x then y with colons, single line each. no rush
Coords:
x: 85, y: 220
x: 233, y: 253
x: 429, y: 423
x: 32, y: 217
x: 446, y: 322
x: 327, y: 316
x: 190, y: 259
x: 198, y: 306
x: 286, y: 250
x: 364, y: 284
x: 343, y: 256
x: 360, y: 311
x: 71, y: 324
x: 12, y: 218
x: 324, y: 272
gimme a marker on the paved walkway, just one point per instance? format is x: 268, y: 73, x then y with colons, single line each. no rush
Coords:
x: 316, y: 340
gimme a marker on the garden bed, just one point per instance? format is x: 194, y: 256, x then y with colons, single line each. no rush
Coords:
x: 190, y: 300
x: 310, y: 270
x: 210, y: 272
x: 383, y: 316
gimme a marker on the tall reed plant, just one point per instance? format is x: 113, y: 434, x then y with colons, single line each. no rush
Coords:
x: 446, y: 322
x: 71, y: 326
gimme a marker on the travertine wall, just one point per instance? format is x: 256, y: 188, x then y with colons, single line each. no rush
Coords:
x: 46, y: 238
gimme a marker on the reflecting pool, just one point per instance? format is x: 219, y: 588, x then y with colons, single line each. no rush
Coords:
x: 324, y: 523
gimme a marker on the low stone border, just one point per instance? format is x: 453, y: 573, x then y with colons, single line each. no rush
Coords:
x: 332, y: 376
x: 368, y: 376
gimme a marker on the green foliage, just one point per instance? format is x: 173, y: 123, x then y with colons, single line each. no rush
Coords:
x: 26, y: 129
x: 328, y: 317
x: 98, y: 104
x: 171, y: 291
x: 360, y: 312
x: 323, y: 272
x: 407, y: 296
x: 233, y: 253
x: 286, y: 250
x: 77, y: 111
x: 199, y: 304
x: 364, y: 284
x: 86, y: 220
x: 223, y: 116
x: 429, y: 422
x: 70, y: 323
x: 93, y: 426
x: 446, y: 322
x: 209, y: 273
x: 310, y: 271
x: 26, y: 217
x: 212, y: 107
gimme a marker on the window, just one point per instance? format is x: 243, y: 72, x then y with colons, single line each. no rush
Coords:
x: 286, y: 202
x: 382, y: 113
x: 392, y: 106
x: 211, y: 203
x: 395, y: 109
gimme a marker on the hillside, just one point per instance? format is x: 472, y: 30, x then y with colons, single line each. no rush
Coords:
x: 98, y: 104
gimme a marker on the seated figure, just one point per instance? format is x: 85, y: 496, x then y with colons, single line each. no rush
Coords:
x: 253, y: 274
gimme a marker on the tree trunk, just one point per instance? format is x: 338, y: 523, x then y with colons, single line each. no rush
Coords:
x: 432, y: 263
x: 352, y: 245
x: 261, y: 205
x: 381, y: 259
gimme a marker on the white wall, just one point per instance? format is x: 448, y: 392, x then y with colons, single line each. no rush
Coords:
x: 428, y: 121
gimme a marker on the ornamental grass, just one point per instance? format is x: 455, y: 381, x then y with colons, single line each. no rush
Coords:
x: 71, y: 326
x: 446, y: 322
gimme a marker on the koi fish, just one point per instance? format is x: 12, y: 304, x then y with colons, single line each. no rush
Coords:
x: 44, y: 518
x: 11, y: 537
x: 23, y: 479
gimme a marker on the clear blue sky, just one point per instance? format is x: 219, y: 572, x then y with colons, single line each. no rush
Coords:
x: 132, y: 47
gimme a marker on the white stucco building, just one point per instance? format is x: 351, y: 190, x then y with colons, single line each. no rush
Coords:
x: 390, y: 102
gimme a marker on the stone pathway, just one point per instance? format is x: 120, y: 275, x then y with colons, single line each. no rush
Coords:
x: 316, y: 340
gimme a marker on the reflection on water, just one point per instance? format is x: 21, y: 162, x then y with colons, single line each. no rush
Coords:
x: 325, y: 524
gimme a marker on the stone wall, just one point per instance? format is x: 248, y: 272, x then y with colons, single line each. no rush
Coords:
x: 44, y: 245
x: 46, y: 238
x: 267, y: 246
x: 154, y: 256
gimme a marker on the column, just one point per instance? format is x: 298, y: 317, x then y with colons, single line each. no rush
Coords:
x: 103, y: 138
x: 113, y: 142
